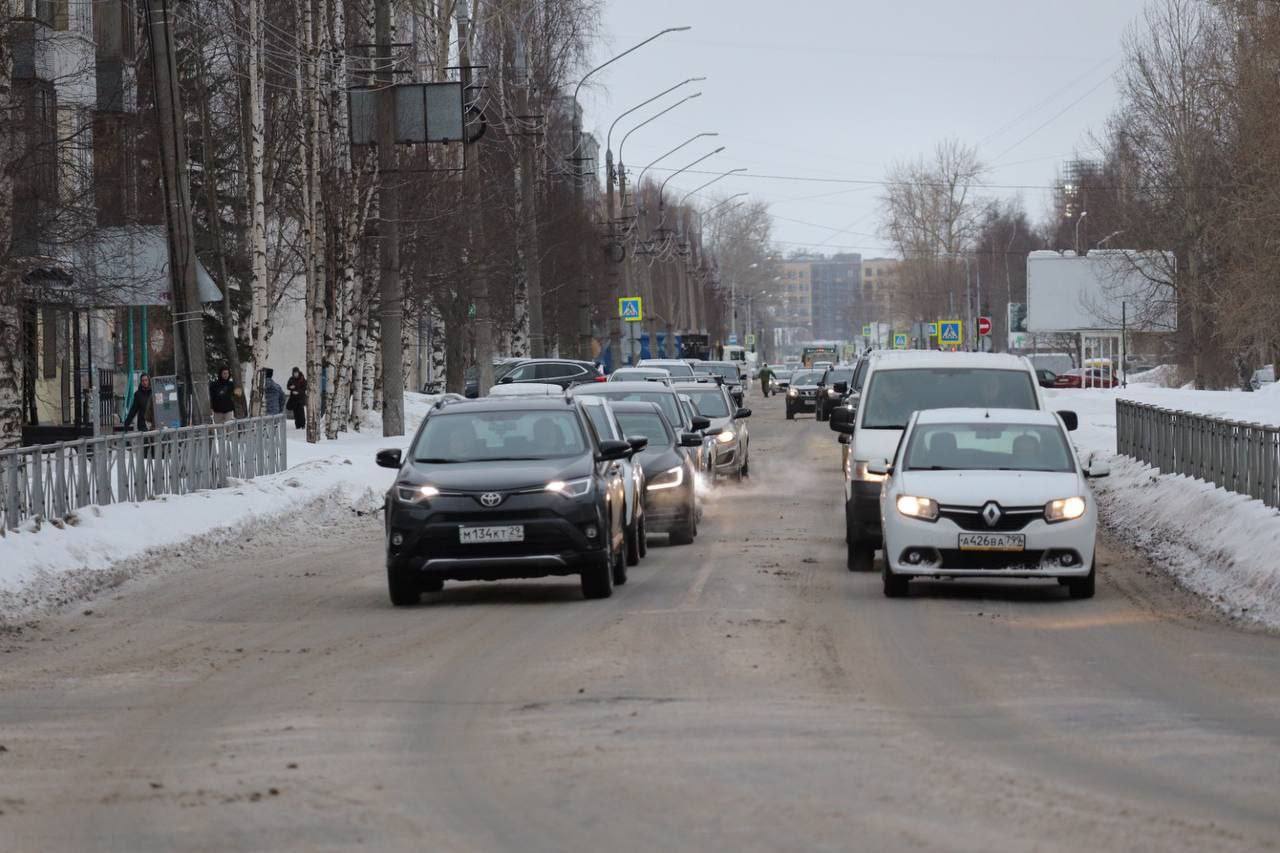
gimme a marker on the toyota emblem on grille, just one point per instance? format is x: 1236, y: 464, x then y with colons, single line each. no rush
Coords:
x: 491, y: 499
x: 991, y: 514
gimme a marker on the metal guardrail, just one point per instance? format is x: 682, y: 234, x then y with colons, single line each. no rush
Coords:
x: 53, y: 480
x: 1238, y: 456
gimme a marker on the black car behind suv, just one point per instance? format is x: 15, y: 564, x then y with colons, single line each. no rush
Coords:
x: 505, y: 488
x: 832, y: 388
x: 564, y: 372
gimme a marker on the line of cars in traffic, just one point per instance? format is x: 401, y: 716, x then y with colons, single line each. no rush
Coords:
x: 545, y: 479
x: 954, y: 466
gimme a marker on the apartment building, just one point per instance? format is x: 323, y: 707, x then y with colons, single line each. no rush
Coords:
x: 879, y: 285
x: 835, y: 284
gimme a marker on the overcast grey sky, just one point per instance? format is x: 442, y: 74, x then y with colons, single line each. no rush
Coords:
x: 842, y: 88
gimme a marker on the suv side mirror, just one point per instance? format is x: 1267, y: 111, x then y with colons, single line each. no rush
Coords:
x: 700, y: 423
x: 845, y: 438
x: 1097, y: 470
x: 741, y: 413
x: 690, y: 439
x: 841, y: 387
x: 390, y: 458
x: 842, y: 419
x: 611, y: 451
x: 880, y: 467
x: 506, y: 380
x: 637, y: 442
x: 1070, y: 420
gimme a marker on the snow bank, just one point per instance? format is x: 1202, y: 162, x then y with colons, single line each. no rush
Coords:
x: 96, y: 539
x: 1218, y: 544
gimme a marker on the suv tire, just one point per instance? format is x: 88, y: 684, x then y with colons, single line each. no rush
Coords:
x: 403, y: 588
x: 633, y: 543
x: 791, y: 413
x: 597, y: 581
x: 861, y: 556
x: 684, y: 534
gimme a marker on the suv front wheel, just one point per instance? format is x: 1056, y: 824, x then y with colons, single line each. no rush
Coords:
x: 597, y: 581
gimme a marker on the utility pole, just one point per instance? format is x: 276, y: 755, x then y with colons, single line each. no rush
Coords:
x: 475, y: 220
x: 529, y: 215
x: 391, y: 295
x: 188, y: 312
x: 580, y: 205
x: 617, y: 256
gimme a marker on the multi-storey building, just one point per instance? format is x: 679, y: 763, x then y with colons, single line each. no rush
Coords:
x: 835, y: 283
x: 878, y: 288
x: 795, y: 302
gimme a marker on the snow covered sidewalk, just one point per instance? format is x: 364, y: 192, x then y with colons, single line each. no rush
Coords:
x: 1218, y: 544
x: 97, y: 539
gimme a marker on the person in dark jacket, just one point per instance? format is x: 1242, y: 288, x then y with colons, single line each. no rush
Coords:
x: 143, y: 407
x: 297, y: 386
x: 222, y: 397
x: 273, y: 396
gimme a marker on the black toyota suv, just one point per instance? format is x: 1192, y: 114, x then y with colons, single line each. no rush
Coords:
x: 513, y: 487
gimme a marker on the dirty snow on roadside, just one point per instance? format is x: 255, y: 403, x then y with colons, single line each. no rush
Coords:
x: 1215, y: 543
x: 47, y: 563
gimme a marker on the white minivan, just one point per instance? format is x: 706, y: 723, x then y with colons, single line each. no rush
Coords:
x: 896, y: 385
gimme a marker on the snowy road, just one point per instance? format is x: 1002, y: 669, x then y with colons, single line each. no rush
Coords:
x: 744, y: 693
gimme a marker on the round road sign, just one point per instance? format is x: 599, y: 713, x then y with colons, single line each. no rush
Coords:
x: 984, y: 326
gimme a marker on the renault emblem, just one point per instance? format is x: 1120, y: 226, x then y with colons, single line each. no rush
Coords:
x: 491, y: 499
x: 991, y: 514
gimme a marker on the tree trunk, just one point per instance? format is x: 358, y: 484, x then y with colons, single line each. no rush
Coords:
x: 259, y: 315
x: 10, y: 355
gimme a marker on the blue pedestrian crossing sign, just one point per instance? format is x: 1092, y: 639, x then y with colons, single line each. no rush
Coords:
x: 950, y: 333
x: 631, y: 309
x: 933, y: 330
x: 899, y: 341
x: 866, y: 331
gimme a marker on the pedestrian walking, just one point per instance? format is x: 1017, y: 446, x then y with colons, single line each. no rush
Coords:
x: 273, y: 396
x: 766, y: 379
x: 222, y: 397
x: 297, y: 404
x: 142, y: 407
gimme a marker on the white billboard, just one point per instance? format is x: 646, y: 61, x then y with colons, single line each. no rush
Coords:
x: 1100, y: 291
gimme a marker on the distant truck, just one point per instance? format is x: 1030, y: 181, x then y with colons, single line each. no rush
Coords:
x: 696, y: 346
x: 812, y: 354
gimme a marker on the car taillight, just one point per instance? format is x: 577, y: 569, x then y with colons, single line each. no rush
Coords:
x: 598, y: 378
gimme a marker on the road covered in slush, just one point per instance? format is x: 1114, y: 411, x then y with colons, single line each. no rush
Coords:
x: 746, y: 692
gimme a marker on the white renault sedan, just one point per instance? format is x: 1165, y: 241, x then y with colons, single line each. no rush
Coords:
x: 987, y: 493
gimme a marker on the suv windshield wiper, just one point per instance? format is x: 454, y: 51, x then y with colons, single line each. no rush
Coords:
x: 431, y: 460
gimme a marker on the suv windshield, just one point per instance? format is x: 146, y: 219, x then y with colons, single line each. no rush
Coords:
x: 666, y: 401
x: 710, y: 403
x: 648, y: 425
x: 728, y: 371
x: 501, y: 435
x: 894, y: 395
x: 675, y: 368
x: 841, y: 375
x: 806, y: 377
x: 988, y: 447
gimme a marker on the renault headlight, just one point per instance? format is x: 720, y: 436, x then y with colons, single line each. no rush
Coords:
x: 925, y: 509
x: 726, y: 436
x: 415, y: 494
x: 668, y: 479
x: 570, y: 488
x: 1064, y: 509
x: 860, y: 472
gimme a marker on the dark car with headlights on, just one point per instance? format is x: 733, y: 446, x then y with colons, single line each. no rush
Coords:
x: 803, y: 394
x: 832, y: 388
x: 668, y: 399
x: 499, y: 488
x: 670, y: 499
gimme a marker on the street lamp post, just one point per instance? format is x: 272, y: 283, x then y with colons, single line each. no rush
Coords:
x: 677, y: 293
x: 617, y: 255
x: 688, y: 290
x: 579, y: 193
x: 1079, y: 219
x: 622, y: 168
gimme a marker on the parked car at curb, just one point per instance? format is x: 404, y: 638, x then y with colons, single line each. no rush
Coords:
x: 987, y: 493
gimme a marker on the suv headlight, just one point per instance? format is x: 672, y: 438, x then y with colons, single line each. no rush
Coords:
x: 925, y: 509
x: 831, y: 392
x: 416, y: 494
x: 570, y: 488
x: 792, y: 392
x: 860, y: 472
x: 668, y: 479
x: 1064, y: 509
x: 726, y: 436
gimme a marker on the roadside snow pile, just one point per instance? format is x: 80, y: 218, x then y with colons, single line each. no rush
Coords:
x: 1164, y: 376
x: 1230, y: 560
x: 340, y: 473
x: 1217, y: 544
